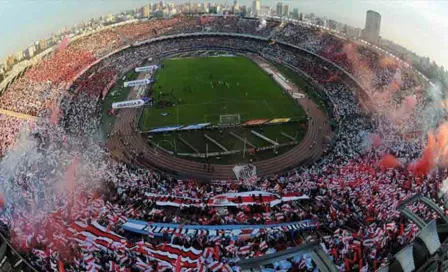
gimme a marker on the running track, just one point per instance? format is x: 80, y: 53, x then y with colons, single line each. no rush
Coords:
x: 128, y: 145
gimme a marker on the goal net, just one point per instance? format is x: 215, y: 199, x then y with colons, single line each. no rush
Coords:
x: 229, y: 119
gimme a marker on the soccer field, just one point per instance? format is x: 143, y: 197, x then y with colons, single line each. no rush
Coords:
x: 197, y: 90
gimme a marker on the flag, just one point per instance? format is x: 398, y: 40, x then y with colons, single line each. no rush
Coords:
x: 61, y: 266
x: 391, y: 226
x: 217, y: 252
x: 113, y: 267
x: 263, y: 245
x: 201, y: 267
x: 215, y: 266
x: 208, y: 253
x: 142, y: 265
x: 178, y: 265
x: 226, y: 268
x: 244, y: 250
x: 241, y: 216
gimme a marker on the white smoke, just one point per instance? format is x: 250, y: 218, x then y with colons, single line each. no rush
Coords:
x: 261, y: 24
x: 48, y: 171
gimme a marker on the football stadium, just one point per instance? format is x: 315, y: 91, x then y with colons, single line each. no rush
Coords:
x: 232, y: 99
x: 207, y: 142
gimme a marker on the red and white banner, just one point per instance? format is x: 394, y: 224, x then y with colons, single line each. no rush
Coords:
x: 96, y: 236
x: 226, y: 200
x: 169, y: 253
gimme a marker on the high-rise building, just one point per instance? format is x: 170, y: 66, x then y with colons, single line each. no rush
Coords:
x: 256, y: 5
x: 30, y: 51
x: 236, y: 6
x: 265, y: 11
x: 286, y: 10
x: 371, y: 32
x: 279, y: 9
x: 332, y: 24
x: 204, y: 8
x: 43, y: 44
x: 19, y: 55
x: 146, y: 11
x: 295, y: 13
x: 243, y: 11
x: 9, y: 62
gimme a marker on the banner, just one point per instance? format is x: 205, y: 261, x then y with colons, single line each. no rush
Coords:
x: 166, y: 129
x: 245, y: 173
x: 146, y: 68
x: 196, y: 126
x: 96, y: 236
x: 139, y: 82
x: 255, y: 122
x: 131, y: 103
x: 279, y: 120
x: 226, y: 200
x: 298, y: 95
x: 232, y: 231
x: 170, y: 254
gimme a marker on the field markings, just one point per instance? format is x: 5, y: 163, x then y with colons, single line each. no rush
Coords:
x: 267, y: 105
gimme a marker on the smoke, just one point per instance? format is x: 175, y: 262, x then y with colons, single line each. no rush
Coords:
x: 434, y: 113
x: 389, y: 161
x: 63, y: 45
x: 48, y: 181
x: 435, y: 153
x: 404, y: 111
x: 54, y: 117
x: 370, y: 140
x: 388, y: 62
x: 261, y: 24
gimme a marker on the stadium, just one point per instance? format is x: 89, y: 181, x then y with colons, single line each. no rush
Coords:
x: 209, y: 143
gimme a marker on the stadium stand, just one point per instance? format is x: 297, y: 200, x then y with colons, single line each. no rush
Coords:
x: 67, y: 194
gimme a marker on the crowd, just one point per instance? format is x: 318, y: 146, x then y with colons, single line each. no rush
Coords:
x: 66, y: 198
x: 10, y: 127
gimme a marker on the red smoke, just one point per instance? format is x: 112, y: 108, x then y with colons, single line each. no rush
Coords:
x: 375, y: 139
x: 387, y: 62
x: 435, y: 153
x: 427, y: 161
x: 63, y: 44
x: 54, y: 112
x: 389, y: 161
x: 70, y: 173
x: 405, y: 110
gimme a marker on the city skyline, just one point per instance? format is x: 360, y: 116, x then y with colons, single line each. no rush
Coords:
x: 416, y: 21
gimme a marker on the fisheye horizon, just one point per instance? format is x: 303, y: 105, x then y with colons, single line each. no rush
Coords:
x: 406, y: 23
x: 287, y: 136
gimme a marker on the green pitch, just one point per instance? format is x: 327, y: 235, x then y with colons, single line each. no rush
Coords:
x: 197, y: 90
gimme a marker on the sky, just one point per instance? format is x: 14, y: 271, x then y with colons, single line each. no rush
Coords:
x: 420, y: 26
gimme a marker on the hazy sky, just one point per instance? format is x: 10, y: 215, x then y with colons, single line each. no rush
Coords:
x: 418, y: 25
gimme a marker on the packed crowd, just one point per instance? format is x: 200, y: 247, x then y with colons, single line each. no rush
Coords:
x: 66, y: 199
x: 10, y: 127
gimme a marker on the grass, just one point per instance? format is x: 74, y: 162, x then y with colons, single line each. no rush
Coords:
x: 170, y: 141
x: 186, y: 84
x: 116, y: 94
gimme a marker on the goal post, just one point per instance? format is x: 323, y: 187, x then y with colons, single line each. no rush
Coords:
x: 229, y: 119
